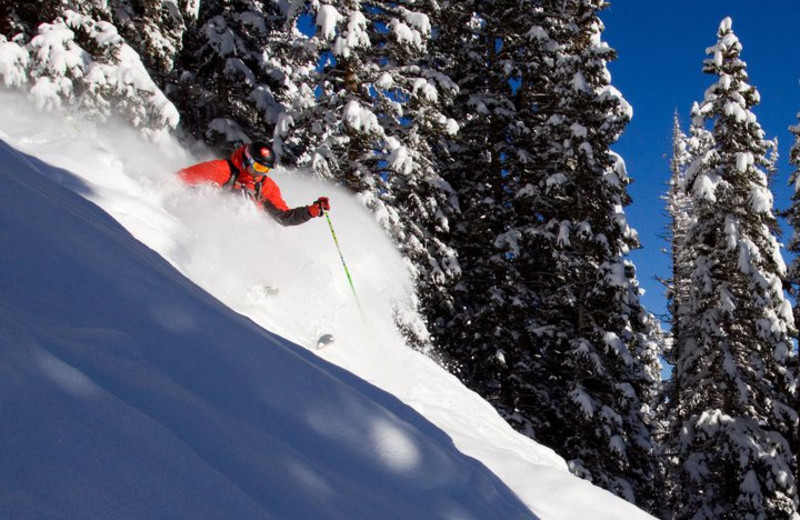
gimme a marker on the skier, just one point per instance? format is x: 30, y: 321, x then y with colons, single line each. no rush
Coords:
x: 246, y: 172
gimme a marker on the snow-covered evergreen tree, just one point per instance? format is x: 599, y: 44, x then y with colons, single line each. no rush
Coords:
x: 243, y: 71
x: 597, y: 344
x: 552, y: 329
x: 68, y: 54
x: 729, y: 409
x: 155, y: 28
x: 793, y: 217
x: 679, y: 210
x: 792, y: 282
x: 228, y: 80
x: 496, y: 51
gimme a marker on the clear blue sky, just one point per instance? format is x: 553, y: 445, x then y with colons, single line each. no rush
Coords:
x: 661, y: 47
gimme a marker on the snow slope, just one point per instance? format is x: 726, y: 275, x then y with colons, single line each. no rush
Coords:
x: 145, y: 373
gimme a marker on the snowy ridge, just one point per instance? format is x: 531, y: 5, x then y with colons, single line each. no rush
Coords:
x: 131, y: 392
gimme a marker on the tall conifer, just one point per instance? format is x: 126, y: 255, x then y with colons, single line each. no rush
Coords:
x: 496, y: 51
x: 548, y: 324
x: 227, y: 82
x: 730, y: 458
x: 596, y: 343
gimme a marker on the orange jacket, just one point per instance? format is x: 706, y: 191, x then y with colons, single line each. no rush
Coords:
x: 232, y: 173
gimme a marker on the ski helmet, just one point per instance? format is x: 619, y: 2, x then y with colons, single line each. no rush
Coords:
x: 259, y: 157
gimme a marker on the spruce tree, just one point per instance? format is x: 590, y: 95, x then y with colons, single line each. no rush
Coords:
x: 228, y: 83
x: 70, y: 55
x: 596, y: 343
x: 679, y: 211
x: 730, y: 459
x: 792, y: 283
x: 548, y: 324
x: 495, y: 50
x: 681, y: 214
x: 155, y: 28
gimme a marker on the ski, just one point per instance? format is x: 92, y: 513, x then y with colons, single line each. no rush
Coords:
x: 324, y: 341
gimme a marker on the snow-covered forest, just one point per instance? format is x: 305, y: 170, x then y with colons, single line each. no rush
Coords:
x: 479, y: 135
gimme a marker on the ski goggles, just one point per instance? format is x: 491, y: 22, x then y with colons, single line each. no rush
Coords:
x: 255, y: 166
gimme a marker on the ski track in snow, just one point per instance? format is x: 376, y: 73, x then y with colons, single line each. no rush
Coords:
x: 232, y: 251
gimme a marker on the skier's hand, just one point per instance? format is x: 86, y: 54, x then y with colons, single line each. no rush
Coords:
x: 319, y: 206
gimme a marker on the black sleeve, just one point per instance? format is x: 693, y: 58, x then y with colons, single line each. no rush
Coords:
x: 290, y: 217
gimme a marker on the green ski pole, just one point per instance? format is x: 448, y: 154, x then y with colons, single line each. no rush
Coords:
x: 346, y: 270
